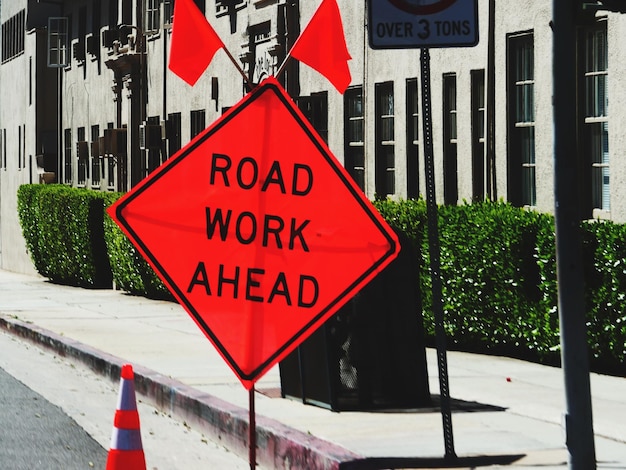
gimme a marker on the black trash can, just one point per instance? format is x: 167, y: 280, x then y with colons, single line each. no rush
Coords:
x: 371, y: 355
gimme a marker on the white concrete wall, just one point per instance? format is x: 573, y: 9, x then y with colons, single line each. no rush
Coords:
x: 16, y: 112
x: 617, y: 116
x: 88, y: 98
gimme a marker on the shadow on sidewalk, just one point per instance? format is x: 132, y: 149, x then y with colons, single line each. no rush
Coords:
x: 406, y: 463
x: 456, y: 405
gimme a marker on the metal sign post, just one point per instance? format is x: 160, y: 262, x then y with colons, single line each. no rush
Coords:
x: 404, y: 24
x: 434, y: 251
x: 251, y: 429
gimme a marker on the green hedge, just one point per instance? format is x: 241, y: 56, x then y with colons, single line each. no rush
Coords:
x: 131, y: 271
x: 63, y: 228
x: 499, y: 287
x: 498, y: 268
x: 73, y: 241
x: 604, y: 251
x: 493, y: 292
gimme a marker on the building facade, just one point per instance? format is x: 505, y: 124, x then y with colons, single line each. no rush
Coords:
x: 87, y: 100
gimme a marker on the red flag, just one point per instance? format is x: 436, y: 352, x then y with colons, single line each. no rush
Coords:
x: 194, y: 42
x: 322, y: 45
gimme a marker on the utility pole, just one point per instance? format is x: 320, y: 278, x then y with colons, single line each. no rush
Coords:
x: 578, y: 419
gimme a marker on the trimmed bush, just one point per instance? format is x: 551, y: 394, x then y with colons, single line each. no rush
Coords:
x: 498, y: 268
x: 28, y: 213
x: 605, y: 271
x: 131, y: 272
x: 499, y: 283
x: 63, y: 228
x: 492, y: 281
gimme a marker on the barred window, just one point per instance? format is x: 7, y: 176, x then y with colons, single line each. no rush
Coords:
x: 67, y: 156
x: 450, y: 159
x: 198, y: 122
x: 57, y: 42
x: 354, y: 155
x: 152, y: 18
x: 412, y: 139
x: 13, y: 36
x: 521, y: 111
x: 596, y: 114
x: 385, y: 140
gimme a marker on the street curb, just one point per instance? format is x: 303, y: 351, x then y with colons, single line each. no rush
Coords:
x: 278, y: 446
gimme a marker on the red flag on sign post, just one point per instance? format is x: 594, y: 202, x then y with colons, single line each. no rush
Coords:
x: 322, y: 46
x: 194, y: 42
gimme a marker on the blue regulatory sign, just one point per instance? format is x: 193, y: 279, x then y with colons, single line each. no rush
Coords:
x: 405, y: 24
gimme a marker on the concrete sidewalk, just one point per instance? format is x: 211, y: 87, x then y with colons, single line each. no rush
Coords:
x: 506, y: 413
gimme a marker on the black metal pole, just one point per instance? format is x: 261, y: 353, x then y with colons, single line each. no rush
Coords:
x: 252, y: 430
x: 434, y: 250
x: 571, y: 304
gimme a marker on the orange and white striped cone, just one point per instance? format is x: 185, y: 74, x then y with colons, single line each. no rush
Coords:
x: 126, y: 450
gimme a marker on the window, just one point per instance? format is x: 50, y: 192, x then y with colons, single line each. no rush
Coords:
x: 13, y: 36
x: 19, y: 147
x: 168, y: 12
x: 82, y: 155
x: 113, y: 14
x: 3, y: 154
x: 23, y: 145
x: 127, y: 21
x: 96, y: 17
x: 478, y: 134
x: 385, y: 144
x: 412, y: 139
x: 173, y: 133
x: 224, y: 7
x: 168, y: 9
x: 596, y: 128
x: 153, y: 145
x: 79, y: 48
x: 152, y: 18
x: 92, y: 43
x: 30, y: 81
x: 111, y: 162
x: 201, y: 4
x: 127, y: 12
x: 315, y: 109
x: 57, y: 42
x: 197, y: 122
x: 521, y: 117
x: 261, y: 63
x: 450, y: 170
x: 354, y: 155
x: 67, y: 156
x: 95, y: 156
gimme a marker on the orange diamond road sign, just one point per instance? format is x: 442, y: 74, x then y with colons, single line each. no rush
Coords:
x: 257, y: 230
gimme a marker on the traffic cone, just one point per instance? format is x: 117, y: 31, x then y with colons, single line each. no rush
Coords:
x: 126, y: 451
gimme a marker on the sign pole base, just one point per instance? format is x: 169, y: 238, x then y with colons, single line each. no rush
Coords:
x: 252, y: 430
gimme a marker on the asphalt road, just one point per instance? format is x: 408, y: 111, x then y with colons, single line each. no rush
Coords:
x: 59, y: 416
x: 35, y: 434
